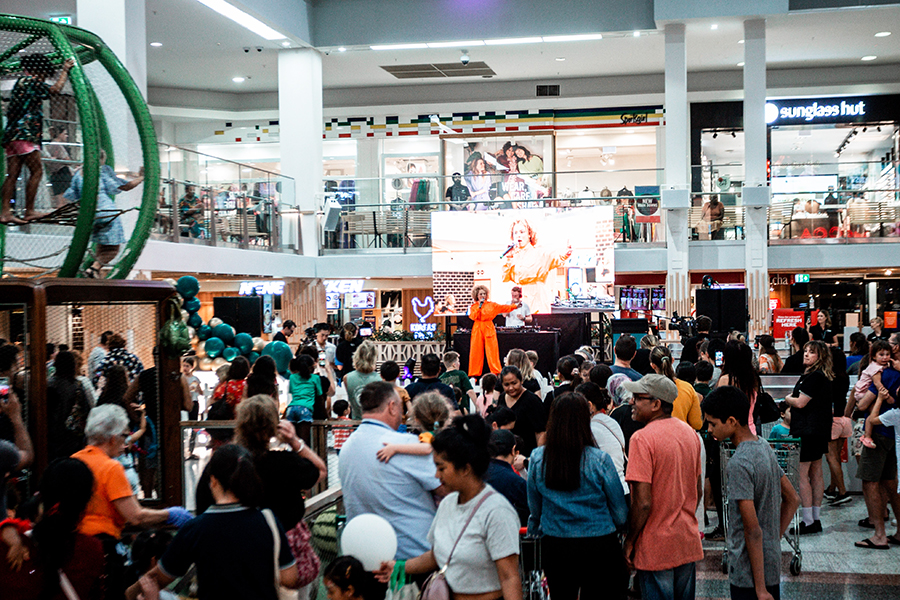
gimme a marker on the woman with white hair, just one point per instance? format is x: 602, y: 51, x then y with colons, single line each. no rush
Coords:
x: 113, y: 504
x: 364, y: 361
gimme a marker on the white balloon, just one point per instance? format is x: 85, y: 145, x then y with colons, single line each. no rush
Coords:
x: 214, y: 322
x: 369, y: 538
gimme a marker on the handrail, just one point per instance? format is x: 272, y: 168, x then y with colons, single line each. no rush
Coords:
x: 197, y: 152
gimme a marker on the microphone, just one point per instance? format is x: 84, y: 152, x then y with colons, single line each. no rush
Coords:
x: 481, y: 304
x: 508, y: 250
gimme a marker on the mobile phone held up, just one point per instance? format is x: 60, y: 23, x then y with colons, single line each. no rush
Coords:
x: 719, y: 359
x: 4, y: 390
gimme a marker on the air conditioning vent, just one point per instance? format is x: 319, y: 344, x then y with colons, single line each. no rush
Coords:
x: 544, y: 91
x: 473, y: 69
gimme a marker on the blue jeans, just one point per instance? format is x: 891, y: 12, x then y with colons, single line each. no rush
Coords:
x: 298, y: 414
x: 672, y: 584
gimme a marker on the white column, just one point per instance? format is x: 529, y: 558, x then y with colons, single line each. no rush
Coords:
x: 756, y: 193
x: 300, y: 131
x: 122, y: 24
x: 367, y: 170
x: 675, y: 191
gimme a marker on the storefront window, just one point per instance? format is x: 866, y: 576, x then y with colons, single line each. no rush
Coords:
x: 604, y: 163
x: 411, y: 169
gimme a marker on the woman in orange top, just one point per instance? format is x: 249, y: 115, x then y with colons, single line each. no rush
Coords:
x: 484, y: 336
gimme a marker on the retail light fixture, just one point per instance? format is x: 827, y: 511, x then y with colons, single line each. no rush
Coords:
x: 342, y: 49
x: 714, y: 26
x: 286, y: 44
x: 243, y: 19
x: 883, y: 34
x: 868, y: 58
x: 399, y: 47
x: 740, y: 41
x: 560, y: 59
x: 465, y: 44
x: 156, y: 44
x: 507, y: 41
x: 636, y: 34
x: 238, y: 79
x: 740, y: 64
x: 583, y: 37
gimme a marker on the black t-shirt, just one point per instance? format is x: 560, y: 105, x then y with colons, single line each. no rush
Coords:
x: 457, y: 193
x: 622, y: 416
x: 874, y: 337
x: 817, y: 332
x: 279, y: 337
x: 344, y: 354
x: 148, y: 384
x: 423, y: 385
x: 532, y: 385
x: 815, y: 417
x: 641, y: 361
x: 793, y: 364
x: 531, y: 419
x: 233, y: 549
x: 285, y: 476
x: 555, y: 393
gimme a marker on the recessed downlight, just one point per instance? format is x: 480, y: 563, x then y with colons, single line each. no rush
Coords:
x: 342, y: 49
x: 740, y: 64
x: 156, y: 44
x: 238, y: 79
x: 883, y: 34
x: 560, y: 58
x: 636, y: 34
x: 868, y: 58
x: 714, y: 26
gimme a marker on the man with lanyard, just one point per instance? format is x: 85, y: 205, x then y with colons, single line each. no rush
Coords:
x: 403, y: 490
x: 520, y: 316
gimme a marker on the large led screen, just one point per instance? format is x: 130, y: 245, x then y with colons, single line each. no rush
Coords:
x: 562, y: 260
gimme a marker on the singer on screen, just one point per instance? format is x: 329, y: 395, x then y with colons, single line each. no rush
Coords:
x: 528, y: 265
x: 484, y: 336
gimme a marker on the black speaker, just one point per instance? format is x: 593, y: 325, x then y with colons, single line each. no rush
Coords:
x: 630, y: 326
x: 244, y: 313
x: 726, y: 307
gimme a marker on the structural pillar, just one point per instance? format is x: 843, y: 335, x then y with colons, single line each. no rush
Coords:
x: 122, y: 24
x: 675, y: 193
x: 756, y: 194
x: 300, y: 122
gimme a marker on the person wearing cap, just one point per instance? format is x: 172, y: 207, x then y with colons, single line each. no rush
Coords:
x: 501, y: 475
x: 664, y: 471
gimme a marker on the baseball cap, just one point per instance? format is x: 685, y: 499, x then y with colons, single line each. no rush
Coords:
x: 657, y: 386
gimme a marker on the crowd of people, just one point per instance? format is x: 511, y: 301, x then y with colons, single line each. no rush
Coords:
x: 611, y: 466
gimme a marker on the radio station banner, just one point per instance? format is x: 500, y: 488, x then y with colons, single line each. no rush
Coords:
x: 784, y: 320
x: 562, y: 260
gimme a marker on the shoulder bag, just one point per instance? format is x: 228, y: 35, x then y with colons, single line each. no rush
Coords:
x: 436, y: 587
x: 284, y: 593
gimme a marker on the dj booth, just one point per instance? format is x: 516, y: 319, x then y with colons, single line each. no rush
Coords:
x: 552, y: 336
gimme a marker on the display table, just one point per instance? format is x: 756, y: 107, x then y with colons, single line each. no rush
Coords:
x: 545, y: 343
x: 823, y: 225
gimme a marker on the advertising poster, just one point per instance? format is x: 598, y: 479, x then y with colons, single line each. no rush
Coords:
x: 268, y: 316
x: 562, y: 260
x: 784, y: 320
x: 646, y: 203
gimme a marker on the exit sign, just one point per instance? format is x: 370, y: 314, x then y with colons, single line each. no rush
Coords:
x: 801, y: 278
x: 62, y: 20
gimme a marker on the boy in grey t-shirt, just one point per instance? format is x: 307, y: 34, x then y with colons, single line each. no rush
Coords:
x: 761, y: 499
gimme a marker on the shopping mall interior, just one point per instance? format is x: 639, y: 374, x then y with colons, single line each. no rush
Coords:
x: 670, y: 146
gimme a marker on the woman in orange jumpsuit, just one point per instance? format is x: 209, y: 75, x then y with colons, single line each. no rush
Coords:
x: 484, y: 336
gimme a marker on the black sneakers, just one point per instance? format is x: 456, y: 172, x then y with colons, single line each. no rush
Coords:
x: 805, y: 529
x: 841, y: 499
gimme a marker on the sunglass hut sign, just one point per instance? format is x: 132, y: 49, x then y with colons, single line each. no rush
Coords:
x: 824, y: 111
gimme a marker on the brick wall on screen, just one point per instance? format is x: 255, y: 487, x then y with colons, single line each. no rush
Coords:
x: 458, y: 283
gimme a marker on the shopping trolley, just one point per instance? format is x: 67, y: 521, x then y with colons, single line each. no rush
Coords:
x: 534, y: 584
x: 787, y: 451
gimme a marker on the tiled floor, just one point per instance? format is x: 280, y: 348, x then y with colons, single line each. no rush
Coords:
x: 832, y: 567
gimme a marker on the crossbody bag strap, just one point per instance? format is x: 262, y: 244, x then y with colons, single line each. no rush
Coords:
x: 270, y: 519
x: 469, y: 520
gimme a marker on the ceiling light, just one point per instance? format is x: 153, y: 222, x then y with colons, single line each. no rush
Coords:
x: 714, y: 26
x: 156, y: 44
x: 573, y: 38
x: 740, y: 41
x: 400, y: 47
x: 243, y: 19
x: 888, y: 272
x: 342, y: 49
x: 560, y: 58
x: 504, y: 41
x: 868, y: 58
x: 740, y: 64
x: 238, y: 79
x: 636, y: 34
x: 455, y: 44
x: 286, y: 44
x: 883, y: 34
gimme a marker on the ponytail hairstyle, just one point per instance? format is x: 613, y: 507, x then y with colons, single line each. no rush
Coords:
x: 661, y: 358
x: 569, y: 370
x: 347, y: 572
x: 568, y: 434
x: 465, y: 442
x: 232, y: 466
x: 430, y: 410
x: 303, y: 365
x: 66, y: 488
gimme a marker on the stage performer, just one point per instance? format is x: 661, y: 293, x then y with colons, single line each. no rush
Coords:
x: 528, y: 265
x: 484, y: 336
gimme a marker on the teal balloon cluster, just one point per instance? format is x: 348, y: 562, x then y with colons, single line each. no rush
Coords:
x: 282, y: 354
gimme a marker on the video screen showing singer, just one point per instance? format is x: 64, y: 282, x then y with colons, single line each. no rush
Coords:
x: 484, y: 335
x: 528, y: 265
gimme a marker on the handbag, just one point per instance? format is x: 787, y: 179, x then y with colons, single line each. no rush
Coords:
x: 765, y: 411
x: 308, y: 563
x: 436, y: 587
x: 284, y: 593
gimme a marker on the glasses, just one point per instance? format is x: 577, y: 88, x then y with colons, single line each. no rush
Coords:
x: 637, y: 397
